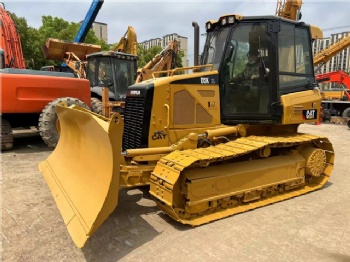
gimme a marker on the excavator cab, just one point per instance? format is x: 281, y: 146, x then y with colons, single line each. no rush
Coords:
x: 113, y: 70
x: 284, y: 65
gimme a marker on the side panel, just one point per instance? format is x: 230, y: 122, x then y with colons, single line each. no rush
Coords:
x: 187, y: 104
x: 25, y: 93
x: 301, y: 107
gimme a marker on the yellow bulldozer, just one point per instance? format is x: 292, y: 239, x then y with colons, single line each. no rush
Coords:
x: 208, y: 143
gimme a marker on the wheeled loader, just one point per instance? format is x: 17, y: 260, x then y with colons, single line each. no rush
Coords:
x: 209, y: 145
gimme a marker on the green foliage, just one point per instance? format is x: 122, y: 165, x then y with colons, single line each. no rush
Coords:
x: 30, y: 41
x: 179, y: 57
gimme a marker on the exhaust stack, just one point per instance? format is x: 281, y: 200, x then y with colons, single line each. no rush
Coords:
x: 196, y: 42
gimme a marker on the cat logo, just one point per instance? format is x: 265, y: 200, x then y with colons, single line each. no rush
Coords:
x: 135, y: 92
x: 158, y: 135
x: 310, y: 114
x: 204, y: 80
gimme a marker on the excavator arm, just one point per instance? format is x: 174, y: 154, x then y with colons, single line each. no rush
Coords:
x: 289, y: 9
x: 128, y: 43
x: 10, y: 42
x: 165, y: 60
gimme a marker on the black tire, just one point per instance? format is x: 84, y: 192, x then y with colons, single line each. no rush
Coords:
x: 349, y: 124
x: 96, y: 105
x: 48, y: 119
x: 6, y: 135
x: 346, y: 112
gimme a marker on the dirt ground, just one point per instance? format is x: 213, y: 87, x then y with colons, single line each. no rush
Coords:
x: 312, y: 227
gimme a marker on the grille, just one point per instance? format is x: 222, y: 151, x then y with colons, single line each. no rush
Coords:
x: 134, y: 120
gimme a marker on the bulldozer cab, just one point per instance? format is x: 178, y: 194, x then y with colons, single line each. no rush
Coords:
x: 250, y: 90
x: 113, y: 70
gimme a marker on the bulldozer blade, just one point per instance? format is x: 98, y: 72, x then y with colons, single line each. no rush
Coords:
x: 83, y: 170
x: 55, y: 49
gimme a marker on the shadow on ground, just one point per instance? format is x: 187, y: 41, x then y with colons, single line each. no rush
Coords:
x: 125, y: 230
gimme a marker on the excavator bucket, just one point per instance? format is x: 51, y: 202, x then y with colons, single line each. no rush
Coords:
x: 83, y: 170
x: 55, y: 49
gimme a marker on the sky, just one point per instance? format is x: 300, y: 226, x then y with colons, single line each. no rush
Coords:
x: 158, y: 18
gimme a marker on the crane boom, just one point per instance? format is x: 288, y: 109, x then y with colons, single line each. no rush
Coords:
x: 89, y: 19
x: 325, y: 55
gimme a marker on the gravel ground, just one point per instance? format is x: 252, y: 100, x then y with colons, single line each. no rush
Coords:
x: 312, y: 227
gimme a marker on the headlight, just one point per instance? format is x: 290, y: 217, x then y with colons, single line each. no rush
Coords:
x: 208, y: 26
x: 223, y: 21
x: 231, y: 19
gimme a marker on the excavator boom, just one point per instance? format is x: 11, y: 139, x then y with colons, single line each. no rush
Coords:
x: 128, y: 43
x: 289, y: 9
x: 10, y: 42
x: 165, y: 60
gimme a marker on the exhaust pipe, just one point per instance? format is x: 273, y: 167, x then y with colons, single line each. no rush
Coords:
x: 196, y: 42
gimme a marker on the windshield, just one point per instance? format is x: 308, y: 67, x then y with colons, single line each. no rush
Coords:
x: 243, y: 77
x: 293, y: 46
x: 114, y: 73
x: 214, y: 46
x: 125, y: 75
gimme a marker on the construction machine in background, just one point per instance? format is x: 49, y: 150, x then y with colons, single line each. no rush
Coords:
x: 72, y: 55
x: 29, y: 97
x: 289, y: 9
x: 110, y: 72
x: 119, y: 70
x: 208, y: 143
x: 128, y: 42
x: 164, y: 61
x: 335, y: 111
x: 335, y: 103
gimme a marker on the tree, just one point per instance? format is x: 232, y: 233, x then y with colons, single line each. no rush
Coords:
x: 54, y: 27
x: 30, y: 41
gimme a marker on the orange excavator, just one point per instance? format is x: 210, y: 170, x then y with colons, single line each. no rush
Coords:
x: 29, y: 97
x: 336, y: 103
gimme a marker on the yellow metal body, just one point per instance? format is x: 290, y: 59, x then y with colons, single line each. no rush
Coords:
x: 265, y: 164
x: 128, y: 43
x: 199, y: 170
x: 288, y: 9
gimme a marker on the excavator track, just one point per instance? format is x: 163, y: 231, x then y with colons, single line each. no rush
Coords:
x: 198, y: 186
